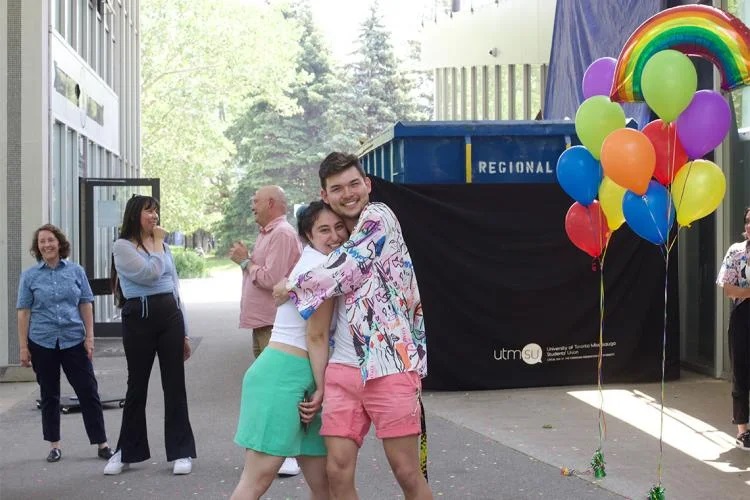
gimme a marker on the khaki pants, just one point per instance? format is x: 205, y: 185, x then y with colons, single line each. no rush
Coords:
x: 261, y: 336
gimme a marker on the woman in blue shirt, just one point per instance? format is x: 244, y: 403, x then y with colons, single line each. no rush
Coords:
x: 56, y: 329
x: 147, y: 289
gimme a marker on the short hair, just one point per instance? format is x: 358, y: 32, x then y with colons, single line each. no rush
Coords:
x: 744, y: 218
x: 61, y: 239
x: 307, y: 216
x: 337, y: 162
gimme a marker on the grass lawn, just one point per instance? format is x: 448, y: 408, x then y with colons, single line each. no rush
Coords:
x: 217, y: 264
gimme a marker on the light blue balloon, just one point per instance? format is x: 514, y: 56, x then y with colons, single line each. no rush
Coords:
x: 579, y: 174
x: 650, y: 216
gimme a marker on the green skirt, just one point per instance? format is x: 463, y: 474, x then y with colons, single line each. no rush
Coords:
x: 269, y: 421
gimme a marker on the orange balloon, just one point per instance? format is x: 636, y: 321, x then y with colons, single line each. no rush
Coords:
x: 629, y: 159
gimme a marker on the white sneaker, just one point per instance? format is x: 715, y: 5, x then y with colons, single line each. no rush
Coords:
x: 289, y: 467
x: 115, y: 465
x: 183, y: 466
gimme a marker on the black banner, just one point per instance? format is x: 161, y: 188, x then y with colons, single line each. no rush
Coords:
x: 510, y: 302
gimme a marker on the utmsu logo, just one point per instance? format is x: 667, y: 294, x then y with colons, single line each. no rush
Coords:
x: 530, y: 354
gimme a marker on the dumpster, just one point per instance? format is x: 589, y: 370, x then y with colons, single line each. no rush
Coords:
x: 508, y: 301
x: 479, y: 152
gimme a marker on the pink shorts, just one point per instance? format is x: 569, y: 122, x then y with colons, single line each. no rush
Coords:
x: 390, y: 402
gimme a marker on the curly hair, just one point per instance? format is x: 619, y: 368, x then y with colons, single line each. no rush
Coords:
x: 59, y: 235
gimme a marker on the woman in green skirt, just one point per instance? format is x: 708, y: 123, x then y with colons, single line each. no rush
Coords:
x: 270, y: 426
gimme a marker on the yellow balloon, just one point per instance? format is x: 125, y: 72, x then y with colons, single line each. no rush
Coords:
x: 697, y: 190
x: 610, y: 199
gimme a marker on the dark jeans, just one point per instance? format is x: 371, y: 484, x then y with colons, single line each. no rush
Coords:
x: 80, y: 373
x: 739, y: 352
x: 149, y: 328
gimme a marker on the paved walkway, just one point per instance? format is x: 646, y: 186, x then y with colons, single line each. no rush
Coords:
x: 483, y: 445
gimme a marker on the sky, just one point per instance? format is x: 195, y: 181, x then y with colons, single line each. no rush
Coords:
x: 339, y: 20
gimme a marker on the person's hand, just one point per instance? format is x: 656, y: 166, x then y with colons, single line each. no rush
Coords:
x: 280, y: 293
x: 159, y: 233
x: 307, y: 410
x: 25, y: 357
x: 186, y: 349
x: 88, y: 344
x: 238, y: 252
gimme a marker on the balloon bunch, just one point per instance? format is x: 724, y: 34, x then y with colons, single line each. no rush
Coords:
x: 652, y: 177
x: 691, y: 124
x: 590, y: 221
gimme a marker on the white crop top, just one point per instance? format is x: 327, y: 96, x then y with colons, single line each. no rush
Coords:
x: 289, y: 327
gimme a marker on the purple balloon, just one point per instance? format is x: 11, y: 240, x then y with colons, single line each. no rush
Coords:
x: 598, y: 77
x: 704, y: 123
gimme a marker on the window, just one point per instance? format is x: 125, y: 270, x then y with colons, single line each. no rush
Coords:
x: 70, y: 24
x: 83, y: 9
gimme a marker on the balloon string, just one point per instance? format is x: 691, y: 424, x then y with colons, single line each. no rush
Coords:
x: 663, y: 367
x: 674, y: 239
x: 689, y: 166
x: 602, y: 420
x: 670, y: 163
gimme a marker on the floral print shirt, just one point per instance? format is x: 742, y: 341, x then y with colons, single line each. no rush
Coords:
x: 734, y: 270
x: 373, y: 269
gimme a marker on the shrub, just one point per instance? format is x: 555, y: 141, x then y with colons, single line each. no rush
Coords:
x: 188, y: 263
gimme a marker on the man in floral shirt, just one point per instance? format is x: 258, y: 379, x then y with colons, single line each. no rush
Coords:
x: 380, y: 352
x: 734, y: 277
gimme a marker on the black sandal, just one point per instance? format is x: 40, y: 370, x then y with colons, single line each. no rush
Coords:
x: 54, y: 455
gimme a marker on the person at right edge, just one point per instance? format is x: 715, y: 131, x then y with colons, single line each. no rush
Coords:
x: 734, y: 278
x: 380, y: 349
x: 146, y: 287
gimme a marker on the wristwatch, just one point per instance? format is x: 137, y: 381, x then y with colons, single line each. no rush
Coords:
x: 244, y: 264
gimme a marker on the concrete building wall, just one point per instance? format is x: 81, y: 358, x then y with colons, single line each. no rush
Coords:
x: 70, y: 99
x: 490, y: 62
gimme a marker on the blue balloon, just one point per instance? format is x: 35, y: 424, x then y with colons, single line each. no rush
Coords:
x: 650, y: 216
x: 579, y: 174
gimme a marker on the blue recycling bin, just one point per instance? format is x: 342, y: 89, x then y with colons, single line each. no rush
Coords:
x: 464, y: 152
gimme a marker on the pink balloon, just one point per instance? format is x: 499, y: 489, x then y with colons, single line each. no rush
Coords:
x: 598, y: 77
x: 704, y: 123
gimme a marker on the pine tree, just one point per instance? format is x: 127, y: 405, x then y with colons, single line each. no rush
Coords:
x: 378, y: 94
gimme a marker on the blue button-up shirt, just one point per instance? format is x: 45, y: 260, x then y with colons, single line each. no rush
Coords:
x: 53, y: 296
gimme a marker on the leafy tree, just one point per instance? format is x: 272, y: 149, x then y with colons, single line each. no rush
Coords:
x: 280, y: 144
x: 200, y: 61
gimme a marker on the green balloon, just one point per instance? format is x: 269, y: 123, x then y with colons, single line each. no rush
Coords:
x: 596, y: 117
x: 668, y: 83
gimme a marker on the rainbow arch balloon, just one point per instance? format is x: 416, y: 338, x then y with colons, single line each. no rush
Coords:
x: 694, y: 30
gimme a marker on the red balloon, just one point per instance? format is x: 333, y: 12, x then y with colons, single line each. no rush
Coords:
x: 587, y: 228
x: 670, y: 155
